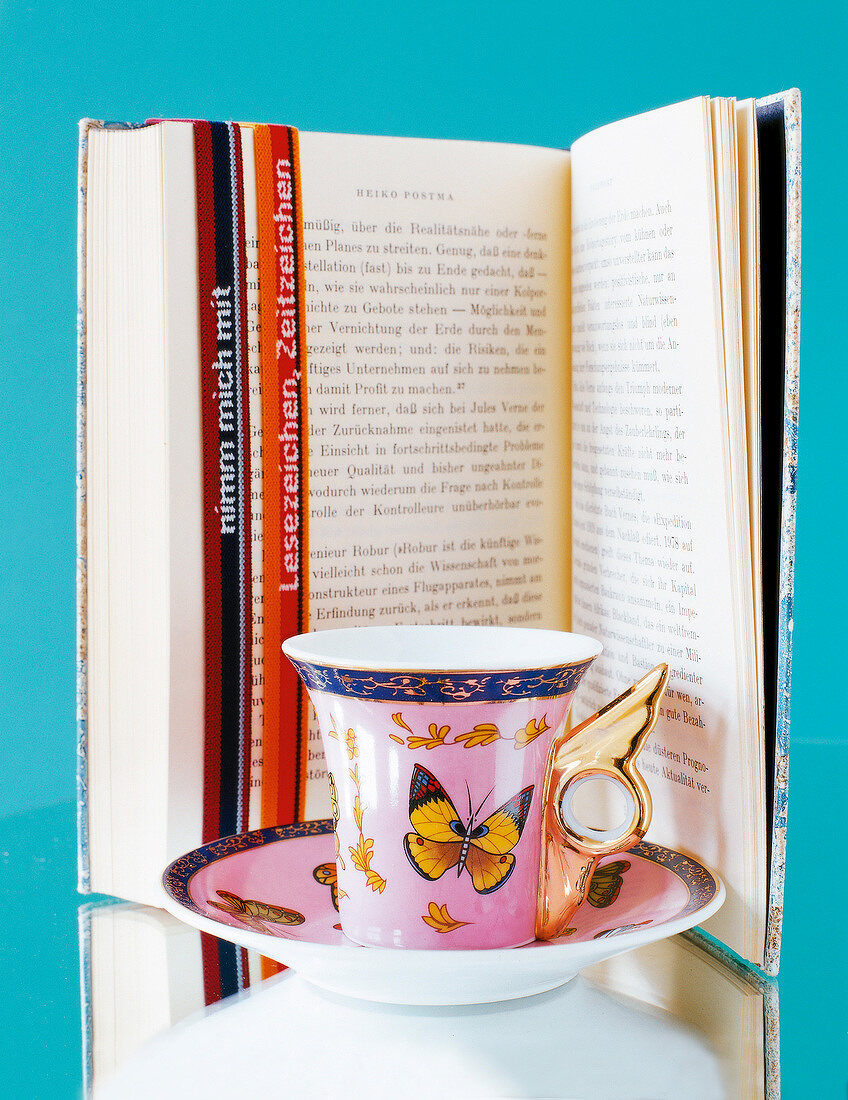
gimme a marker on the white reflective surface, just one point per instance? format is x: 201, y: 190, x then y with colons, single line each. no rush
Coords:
x: 289, y: 1039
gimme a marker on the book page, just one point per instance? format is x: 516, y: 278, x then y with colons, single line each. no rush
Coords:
x: 128, y: 605
x: 735, y: 289
x: 654, y: 570
x: 437, y: 334
x: 749, y: 235
x: 185, y: 507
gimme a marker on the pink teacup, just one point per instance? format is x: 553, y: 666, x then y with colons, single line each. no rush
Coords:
x: 452, y: 774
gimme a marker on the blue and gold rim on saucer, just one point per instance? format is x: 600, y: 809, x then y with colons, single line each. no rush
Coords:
x: 702, y: 887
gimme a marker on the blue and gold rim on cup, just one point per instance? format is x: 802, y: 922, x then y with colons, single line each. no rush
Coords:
x: 442, y: 664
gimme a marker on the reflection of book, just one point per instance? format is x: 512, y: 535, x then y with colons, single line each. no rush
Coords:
x: 731, y: 1005
x: 457, y: 415
x: 142, y: 972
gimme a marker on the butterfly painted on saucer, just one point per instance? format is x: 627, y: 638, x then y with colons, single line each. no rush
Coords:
x: 442, y: 840
x: 606, y: 883
x: 327, y: 875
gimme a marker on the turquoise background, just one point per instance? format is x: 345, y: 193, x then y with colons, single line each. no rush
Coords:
x: 543, y: 75
x: 441, y: 70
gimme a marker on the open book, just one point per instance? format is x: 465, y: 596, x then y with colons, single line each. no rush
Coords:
x: 532, y: 397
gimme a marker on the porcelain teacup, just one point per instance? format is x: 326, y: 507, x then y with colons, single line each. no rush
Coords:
x: 452, y: 774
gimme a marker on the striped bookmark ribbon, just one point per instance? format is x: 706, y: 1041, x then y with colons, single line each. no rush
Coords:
x: 229, y: 623
x: 226, y: 512
x: 284, y: 451
x: 226, y: 495
x: 282, y: 319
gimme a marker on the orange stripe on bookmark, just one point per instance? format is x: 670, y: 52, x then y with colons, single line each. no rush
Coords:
x: 272, y: 629
x: 283, y: 363
x: 304, y: 709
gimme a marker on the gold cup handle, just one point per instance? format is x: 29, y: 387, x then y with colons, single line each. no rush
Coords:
x: 604, y: 747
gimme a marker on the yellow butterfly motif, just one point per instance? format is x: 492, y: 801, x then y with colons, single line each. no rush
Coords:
x: 441, y: 839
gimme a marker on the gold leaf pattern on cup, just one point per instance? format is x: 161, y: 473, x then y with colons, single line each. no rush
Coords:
x: 436, y: 738
x: 484, y: 733
x: 362, y: 852
x: 531, y: 731
x: 440, y: 919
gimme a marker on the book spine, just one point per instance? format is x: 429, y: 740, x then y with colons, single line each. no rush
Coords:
x: 792, y: 124
x: 790, y: 104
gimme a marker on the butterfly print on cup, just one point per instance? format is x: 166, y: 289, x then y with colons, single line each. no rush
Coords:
x: 442, y: 840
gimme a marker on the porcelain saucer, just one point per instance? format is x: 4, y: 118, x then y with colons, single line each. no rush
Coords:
x: 273, y: 891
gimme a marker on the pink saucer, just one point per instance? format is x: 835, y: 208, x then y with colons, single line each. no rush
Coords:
x: 272, y: 890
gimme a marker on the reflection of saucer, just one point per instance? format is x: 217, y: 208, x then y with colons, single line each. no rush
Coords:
x: 272, y: 890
